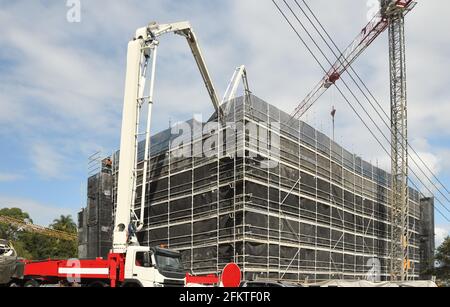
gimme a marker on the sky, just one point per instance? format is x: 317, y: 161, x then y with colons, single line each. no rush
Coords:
x: 61, y: 83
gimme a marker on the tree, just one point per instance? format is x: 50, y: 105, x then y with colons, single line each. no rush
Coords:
x: 13, y: 234
x: 16, y: 213
x: 34, y: 246
x: 443, y: 259
x: 9, y: 232
x: 64, y: 223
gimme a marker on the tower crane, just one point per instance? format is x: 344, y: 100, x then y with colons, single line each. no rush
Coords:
x: 400, y: 235
x: 8, y: 255
x: 377, y: 25
x: 391, y: 16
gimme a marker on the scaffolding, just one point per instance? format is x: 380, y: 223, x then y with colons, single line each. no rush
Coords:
x: 318, y: 213
x: 95, y: 221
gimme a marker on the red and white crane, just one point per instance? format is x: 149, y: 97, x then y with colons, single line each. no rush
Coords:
x: 391, y: 16
x: 377, y: 25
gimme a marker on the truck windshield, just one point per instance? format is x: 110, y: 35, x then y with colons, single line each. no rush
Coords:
x: 168, y: 262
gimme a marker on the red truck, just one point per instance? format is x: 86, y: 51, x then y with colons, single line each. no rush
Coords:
x: 128, y: 264
x: 139, y: 267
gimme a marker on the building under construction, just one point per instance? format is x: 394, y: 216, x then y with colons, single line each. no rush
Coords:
x: 95, y: 221
x: 319, y: 212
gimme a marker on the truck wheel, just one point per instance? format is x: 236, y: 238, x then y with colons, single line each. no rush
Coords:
x: 32, y: 284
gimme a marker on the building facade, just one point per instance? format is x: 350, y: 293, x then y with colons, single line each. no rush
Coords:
x: 427, y: 238
x: 95, y: 220
x: 270, y: 193
x: 277, y: 197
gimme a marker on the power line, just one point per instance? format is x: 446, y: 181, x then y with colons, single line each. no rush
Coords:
x: 387, y: 125
x: 364, y: 94
x: 340, y: 91
x: 371, y: 94
x: 348, y: 88
x: 373, y: 97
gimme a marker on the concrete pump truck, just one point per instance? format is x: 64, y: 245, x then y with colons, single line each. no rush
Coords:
x: 129, y: 264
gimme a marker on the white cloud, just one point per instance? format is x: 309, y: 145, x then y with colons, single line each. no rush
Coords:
x: 48, y: 162
x: 9, y: 177
x: 441, y: 233
x: 77, y: 70
x: 63, y: 83
x: 42, y: 214
x: 433, y: 162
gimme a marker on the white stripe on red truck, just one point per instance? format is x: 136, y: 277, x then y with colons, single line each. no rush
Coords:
x: 84, y: 271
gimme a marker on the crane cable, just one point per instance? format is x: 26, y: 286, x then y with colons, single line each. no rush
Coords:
x: 365, y: 124
x: 378, y: 128
x: 342, y: 94
x: 371, y: 94
x: 367, y: 98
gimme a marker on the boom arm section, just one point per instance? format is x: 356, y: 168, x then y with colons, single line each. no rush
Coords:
x: 363, y: 40
x: 239, y: 74
x: 184, y: 29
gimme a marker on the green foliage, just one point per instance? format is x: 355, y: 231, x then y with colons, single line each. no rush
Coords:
x: 21, y: 250
x: 443, y: 258
x: 35, y: 246
x: 64, y: 223
x: 15, y: 213
x: 9, y: 232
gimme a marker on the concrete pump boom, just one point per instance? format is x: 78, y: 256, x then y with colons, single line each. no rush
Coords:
x: 142, y: 52
x: 240, y: 74
x: 185, y: 29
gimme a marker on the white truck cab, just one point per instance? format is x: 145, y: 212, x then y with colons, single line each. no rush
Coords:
x: 153, y: 267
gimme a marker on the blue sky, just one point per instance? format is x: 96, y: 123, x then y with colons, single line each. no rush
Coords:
x: 61, y: 83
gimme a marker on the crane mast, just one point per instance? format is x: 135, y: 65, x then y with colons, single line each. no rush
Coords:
x: 400, y: 236
x: 391, y: 16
